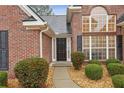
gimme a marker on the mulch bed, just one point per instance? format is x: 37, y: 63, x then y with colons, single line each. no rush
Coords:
x: 81, y: 79
x: 13, y: 83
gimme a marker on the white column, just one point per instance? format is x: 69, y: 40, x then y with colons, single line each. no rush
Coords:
x: 107, y: 50
x: 90, y: 43
x: 107, y: 46
x: 115, y: 48
x: 41, y: 43
x: 68, y: 48
x: 53, y: 49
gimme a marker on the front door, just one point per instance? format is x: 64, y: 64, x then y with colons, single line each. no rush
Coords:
x: 61, y: 49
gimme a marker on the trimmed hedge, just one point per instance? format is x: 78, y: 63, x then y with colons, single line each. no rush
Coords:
x: 94, y: 71
x: 118, y: 81
x: 32, y: 72
x: 3, y: 78
x: 77, y: 59
x: 3, y: 86
x: 112, y: 61
x: 115, y: 68
x: 94, y: 61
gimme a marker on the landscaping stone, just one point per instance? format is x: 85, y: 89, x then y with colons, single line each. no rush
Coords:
x: 79, y: 77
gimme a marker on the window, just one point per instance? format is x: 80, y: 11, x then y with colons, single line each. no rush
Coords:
x: 99, y: 47
x: 85, y: 24
x: 98, y: 23
x: 111, y: 23
x: 85, y: 46
x: 3, y: 50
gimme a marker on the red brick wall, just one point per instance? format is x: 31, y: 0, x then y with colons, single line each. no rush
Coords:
x: 47, y: 48
x: 123, y: 47
x: 22, y: 43
x: 111, y: 9
x: 76, y: 29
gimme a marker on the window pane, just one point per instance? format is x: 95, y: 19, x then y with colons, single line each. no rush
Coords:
x: 112, y: 53
x: 86, y: 53
x: 85, y: 41
x: 111, y: 23
x: 85, y: 24
x: 99, y: 54
x: 98, y: 41
x: 98, y: 23
x: 111, y: 41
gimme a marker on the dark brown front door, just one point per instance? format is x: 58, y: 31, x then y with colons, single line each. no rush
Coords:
x: 61, y: 49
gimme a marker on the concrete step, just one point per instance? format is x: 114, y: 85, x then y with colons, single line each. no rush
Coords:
x: 61, y: 64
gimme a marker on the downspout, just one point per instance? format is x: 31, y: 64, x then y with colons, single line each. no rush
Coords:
x: 41, y: 41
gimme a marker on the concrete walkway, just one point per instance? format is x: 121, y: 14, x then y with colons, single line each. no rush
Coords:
x: 61, y: 78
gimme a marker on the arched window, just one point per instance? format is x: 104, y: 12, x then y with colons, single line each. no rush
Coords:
x: 98, y: 19
x: 98, y: 10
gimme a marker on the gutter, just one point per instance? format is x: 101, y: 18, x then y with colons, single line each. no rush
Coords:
x: 41, y: 41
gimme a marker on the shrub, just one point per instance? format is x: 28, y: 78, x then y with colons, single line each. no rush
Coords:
x: 94, y: 71
x: 118, y: 81
x: 94, y: 61
x: 3, y: 86
x: 32, y: 72
x: 3, y: 78
x: 77, y: 59
x: 112, y: 61
x: 115, y: 68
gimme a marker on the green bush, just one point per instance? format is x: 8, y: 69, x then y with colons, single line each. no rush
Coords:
x: 3, y: 86
x: 32, y: 72
x: 115, y: 68
x: 118, y: 81
x: 77, y: 59
x: 3, y: 78
x: 94, y: 71
x: 94, y: 61
x: 112, y: 61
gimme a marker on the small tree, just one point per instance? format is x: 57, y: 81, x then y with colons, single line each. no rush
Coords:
x: 42, y: 9
x: 77, y: 59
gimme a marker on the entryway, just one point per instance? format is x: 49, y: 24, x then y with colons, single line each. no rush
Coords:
x: 61, y: 48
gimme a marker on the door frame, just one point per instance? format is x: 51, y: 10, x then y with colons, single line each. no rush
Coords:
x: 58, y: 44
x: 68, y: 48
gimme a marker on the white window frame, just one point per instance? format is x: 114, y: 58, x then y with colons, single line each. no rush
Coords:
x: 90, y: 38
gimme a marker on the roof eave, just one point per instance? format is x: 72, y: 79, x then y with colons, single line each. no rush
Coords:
x: 71, y: 10
x: 120, y: 24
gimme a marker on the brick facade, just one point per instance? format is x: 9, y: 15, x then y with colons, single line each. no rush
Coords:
x: 22, y: 43
x: 47, y: 48
x: 76, y: 29
x: 111, y: 9
x: 76, y: 20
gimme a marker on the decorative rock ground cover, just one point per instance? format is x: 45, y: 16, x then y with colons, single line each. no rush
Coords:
x: 83, y: 81
x: 13, y: 83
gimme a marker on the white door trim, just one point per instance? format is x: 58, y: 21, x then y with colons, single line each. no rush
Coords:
x: 68, y: 49
x: 53, y: 49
